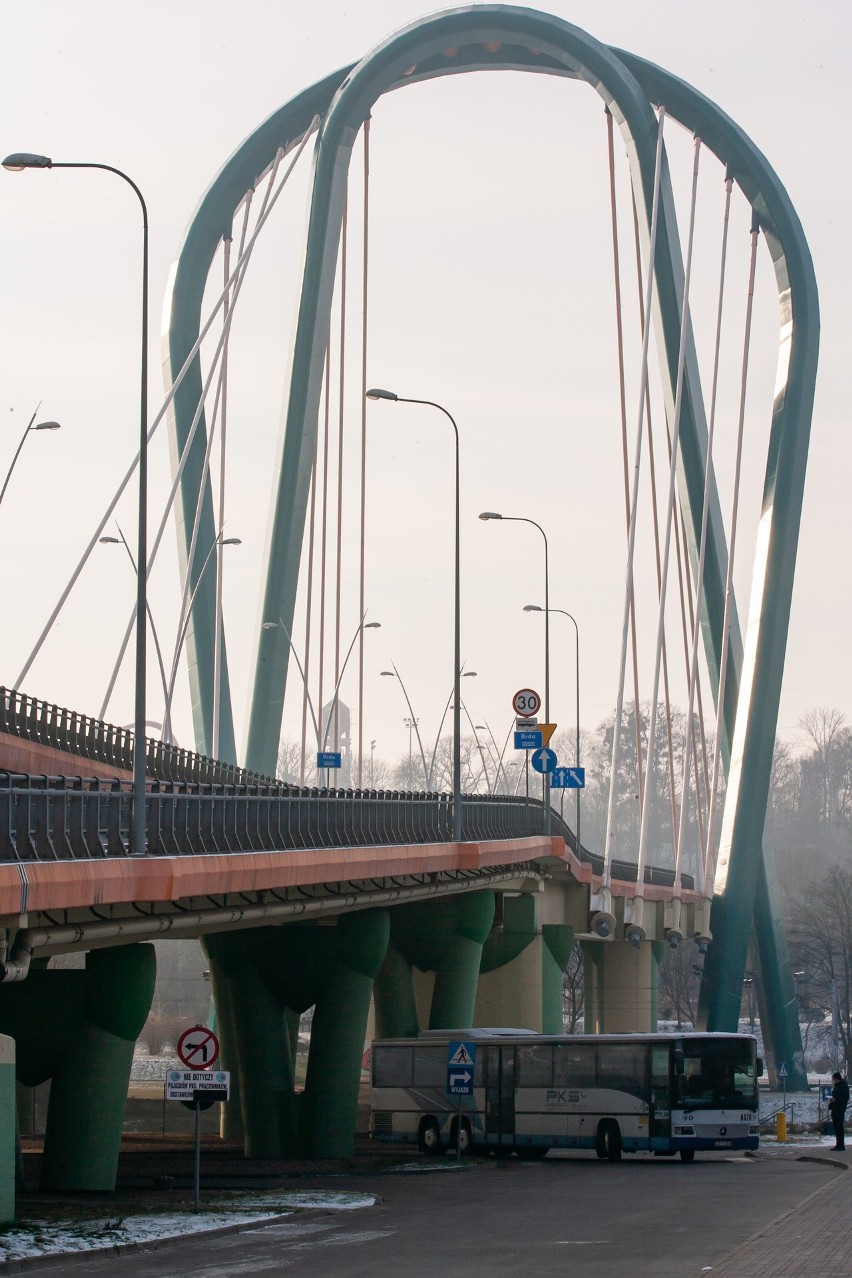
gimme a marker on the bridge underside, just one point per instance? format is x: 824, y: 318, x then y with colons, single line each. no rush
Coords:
x: 374, y: 939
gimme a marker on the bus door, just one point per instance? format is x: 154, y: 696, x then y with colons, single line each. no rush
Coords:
x: 660, y: 1110
x: 499, y: 1080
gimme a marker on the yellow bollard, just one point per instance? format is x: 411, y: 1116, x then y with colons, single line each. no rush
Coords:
x: 781, y: 1125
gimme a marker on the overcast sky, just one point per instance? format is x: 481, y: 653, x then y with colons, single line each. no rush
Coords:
x: 490, y: 292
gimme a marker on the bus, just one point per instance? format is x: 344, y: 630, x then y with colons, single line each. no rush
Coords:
x: 664, y: 1093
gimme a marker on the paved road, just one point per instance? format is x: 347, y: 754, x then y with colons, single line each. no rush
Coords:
x: 568, y: 1215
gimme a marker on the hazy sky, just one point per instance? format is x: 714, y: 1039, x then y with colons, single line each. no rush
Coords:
x: 490, y: 292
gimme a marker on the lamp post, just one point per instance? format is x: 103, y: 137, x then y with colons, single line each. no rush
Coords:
x: 32, y: 425
x: 536, y: 608
x: 413, y: 722
x: 15, y: 163
x: 521, y: 519
x: 457, y: 810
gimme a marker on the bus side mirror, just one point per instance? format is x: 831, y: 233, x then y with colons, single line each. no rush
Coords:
x: 759, y: 1066
x: 678, y: 1060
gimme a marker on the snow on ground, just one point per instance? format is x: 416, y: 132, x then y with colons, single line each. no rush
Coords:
x: 36, y: 1236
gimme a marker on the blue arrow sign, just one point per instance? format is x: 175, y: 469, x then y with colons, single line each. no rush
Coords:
x: 528, y: 740
x: 328, y: 759
x: 568, y: 778
x: 544, y: 760
x: 459, y: 1080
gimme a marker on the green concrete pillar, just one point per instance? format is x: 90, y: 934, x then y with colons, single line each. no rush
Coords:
x: 88, y: 1092
x: 265, y: 1069
x: 222, y: 981
x: 330, y: 1100
x: 7, y: 1129
x: 393, y: 993
x: 557, y: 944
x: 457, y: 969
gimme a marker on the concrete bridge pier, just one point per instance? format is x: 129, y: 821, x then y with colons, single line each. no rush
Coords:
x: 78, y: 1028
x: 431, y: 969
x: 523, y: 962
x: 263, y: 980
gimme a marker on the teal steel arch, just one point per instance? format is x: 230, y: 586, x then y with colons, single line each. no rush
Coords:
x: 508, y: 37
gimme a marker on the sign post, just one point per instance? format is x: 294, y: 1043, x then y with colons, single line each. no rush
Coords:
x: 461, y: 1058
x: 198, y: 1088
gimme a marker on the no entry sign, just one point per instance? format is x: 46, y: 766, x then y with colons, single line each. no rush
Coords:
x: 198, y: 1048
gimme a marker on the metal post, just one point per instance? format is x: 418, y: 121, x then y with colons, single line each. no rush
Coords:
x: 138, y: 847
x: 197, y: 1108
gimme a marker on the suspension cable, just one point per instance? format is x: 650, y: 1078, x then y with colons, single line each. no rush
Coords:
x: 712, y: 853
x: 341, y: 393
x: 670, y: 506
x: 702, y: 553
x: 363, y: 490
x: 616, y: 262
x: 169, y: 397
x: 631, y: 539
x: 324, y: 536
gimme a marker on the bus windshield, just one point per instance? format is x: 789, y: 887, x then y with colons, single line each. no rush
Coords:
x: 718, y: 1074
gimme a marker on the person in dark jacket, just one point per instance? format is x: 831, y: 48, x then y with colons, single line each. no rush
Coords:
x: 837, y: 1108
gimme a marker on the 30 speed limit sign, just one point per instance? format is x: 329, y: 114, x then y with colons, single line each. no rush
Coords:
x: 526, y: 702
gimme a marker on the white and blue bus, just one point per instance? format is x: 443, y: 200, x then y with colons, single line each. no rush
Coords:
x: 664, y: 1093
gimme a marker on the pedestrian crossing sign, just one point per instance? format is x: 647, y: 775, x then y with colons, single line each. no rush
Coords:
x: 461, y: 1053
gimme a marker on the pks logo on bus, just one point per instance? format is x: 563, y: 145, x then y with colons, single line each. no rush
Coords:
x: 559, y: 1097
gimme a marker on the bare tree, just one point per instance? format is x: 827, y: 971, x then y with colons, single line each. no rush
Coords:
x: 821, y: 942
x: 679, y: 981
x: 573, y: 989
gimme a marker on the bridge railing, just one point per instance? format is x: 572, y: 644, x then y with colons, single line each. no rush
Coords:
x: 41, y: 721
x: 73, y: 818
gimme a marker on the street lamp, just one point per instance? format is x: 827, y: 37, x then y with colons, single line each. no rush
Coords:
x: 413, y: 721
x: 536, y: 608
x: 521, y: 519
x: 16, y: 163
x: 32, y: 425
x: 377, y: 393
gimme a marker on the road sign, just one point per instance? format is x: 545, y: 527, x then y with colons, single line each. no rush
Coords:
x: 528, y: 740
x: 459, y: 1080
x: 543, y: 760
x: 461, y: 1057
x: 782, y: 1070
x: 182, y: 1084
x: 547, y: 730
x: 198, y: 1048
x: 328, y: 759
x: 526, y: 701
x: 526, y: 723
x: 568, y: 779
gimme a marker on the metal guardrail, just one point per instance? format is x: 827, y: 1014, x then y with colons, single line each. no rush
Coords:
x: 80, y: 734
x: 73, y: 818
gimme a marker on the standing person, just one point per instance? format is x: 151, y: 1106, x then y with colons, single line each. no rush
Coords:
x: 837, y: 1108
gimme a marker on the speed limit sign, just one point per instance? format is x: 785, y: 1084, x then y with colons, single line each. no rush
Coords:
x: 526, y: 702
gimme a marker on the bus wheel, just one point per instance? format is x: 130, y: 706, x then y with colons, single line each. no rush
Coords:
x: 466, y: 1141
x: 687, y: 1155
x: 608, y: 1141
x: 429, y: 1137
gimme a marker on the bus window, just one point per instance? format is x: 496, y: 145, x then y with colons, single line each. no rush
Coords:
x: 624, y: 1067
x: 392, y: 1066
x: 430, y: 1065
x: 534, y: 1065
x: 574, y: 1065
x: 719, y: 1074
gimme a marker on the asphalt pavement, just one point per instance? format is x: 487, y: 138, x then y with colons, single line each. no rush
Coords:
x: 782, y: 1212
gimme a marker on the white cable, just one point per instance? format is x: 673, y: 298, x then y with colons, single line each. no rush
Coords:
x: 702, y: 554
x: 712, y: 852
x: 156, y: 422
x: 670, y: 507
x: 631, y: 539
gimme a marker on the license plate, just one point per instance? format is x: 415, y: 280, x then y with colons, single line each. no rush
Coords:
x: 723, y: 1144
